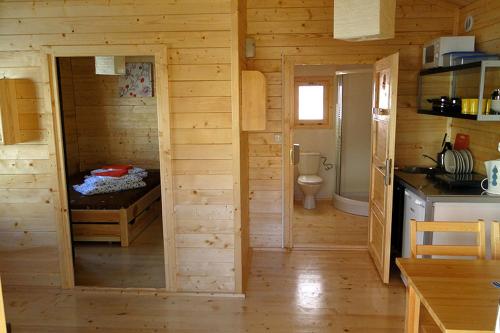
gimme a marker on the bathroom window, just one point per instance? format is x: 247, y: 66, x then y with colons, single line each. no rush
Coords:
x: 312, y: 102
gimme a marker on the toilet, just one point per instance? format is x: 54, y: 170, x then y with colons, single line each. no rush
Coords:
x: 308, y: 180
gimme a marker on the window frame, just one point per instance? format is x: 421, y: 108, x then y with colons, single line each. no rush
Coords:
x: 326, y: 82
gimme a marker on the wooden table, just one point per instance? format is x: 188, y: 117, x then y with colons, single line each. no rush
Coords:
x: 458, y: 294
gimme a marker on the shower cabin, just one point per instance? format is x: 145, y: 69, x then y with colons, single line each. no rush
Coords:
x: 353, y: 129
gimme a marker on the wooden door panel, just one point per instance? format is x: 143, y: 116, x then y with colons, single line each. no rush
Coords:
x: 384, y: 104
x: 380, y: 144
x: 376, y: 238
x: 378, y: 193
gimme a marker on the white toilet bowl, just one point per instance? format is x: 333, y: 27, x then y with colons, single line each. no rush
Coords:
x: 310, y: 185
x: 309, y: 181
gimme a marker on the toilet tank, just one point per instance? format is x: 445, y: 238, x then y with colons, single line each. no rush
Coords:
x: 309, y: 163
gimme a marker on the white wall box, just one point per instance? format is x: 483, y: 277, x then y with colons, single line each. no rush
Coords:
x: 9, y: 120
x: 359, y: 20
x: 110, y: 65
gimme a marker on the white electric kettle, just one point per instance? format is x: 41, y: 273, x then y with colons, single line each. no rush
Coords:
x: 493, y: 173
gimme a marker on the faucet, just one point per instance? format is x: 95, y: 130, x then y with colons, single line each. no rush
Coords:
x: 327, y: 166
x: 432, y: 159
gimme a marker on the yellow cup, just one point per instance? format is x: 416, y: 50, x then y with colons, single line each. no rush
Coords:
x: 465, y: 105
x: 474, y: 105
x: 486, y: 106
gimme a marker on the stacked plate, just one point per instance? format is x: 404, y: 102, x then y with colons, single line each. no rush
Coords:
x: 458, y: 161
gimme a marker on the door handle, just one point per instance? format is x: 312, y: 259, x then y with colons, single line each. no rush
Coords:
x: 386, y: 171
x: 387, y: 175
x: 295, y: 154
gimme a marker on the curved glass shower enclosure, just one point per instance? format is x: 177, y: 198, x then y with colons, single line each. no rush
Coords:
x: 353, y: 135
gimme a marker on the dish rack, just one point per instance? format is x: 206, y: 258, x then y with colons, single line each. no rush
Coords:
x: 458, y: 161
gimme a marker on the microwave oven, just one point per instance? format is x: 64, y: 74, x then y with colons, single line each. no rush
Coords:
x: 433, y: 51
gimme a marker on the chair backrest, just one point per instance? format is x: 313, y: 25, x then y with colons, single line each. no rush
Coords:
x: 477, y: 228
x: 495, y: 240
x: 3, y: 324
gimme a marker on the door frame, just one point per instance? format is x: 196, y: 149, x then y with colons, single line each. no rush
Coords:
x: 49, y: 55
x: 288, y: 63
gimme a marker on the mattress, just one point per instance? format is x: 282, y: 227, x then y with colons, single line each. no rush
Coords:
x: 108, y: 201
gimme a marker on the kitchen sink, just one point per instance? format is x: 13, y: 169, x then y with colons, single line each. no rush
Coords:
x: 421, y: 170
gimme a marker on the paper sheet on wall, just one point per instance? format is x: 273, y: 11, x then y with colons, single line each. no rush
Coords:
x: 137, y: 81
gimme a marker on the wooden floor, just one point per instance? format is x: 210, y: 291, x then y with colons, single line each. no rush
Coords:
x: 299, y: 291
x: 327, y: 227
x: 141, y: 264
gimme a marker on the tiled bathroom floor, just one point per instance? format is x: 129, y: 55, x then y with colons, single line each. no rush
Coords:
x: 327, y: 227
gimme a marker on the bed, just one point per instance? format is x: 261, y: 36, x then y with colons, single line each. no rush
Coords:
x: 114, y: 217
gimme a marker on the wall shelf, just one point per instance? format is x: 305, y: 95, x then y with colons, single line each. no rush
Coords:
x: 9, y: 119
x: 472, y: 82
x: 448, y: 69
x: 448, y: 114
x: 253, y: 101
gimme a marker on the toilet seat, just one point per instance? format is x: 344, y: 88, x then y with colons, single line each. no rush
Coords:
x: 309, y: 180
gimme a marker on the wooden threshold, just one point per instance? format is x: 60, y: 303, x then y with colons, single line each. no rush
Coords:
x: 321, y: 247
x: 149, y: 291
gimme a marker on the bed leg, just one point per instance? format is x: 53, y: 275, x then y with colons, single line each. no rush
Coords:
x: 124, y: 228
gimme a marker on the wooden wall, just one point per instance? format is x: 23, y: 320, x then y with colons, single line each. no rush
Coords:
x: 198, y: 34
x: 484, y: 136
x: 109, y: 129
x: 28, y: 241
x: 304, y: 28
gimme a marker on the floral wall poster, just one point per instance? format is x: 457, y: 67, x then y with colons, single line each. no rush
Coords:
x: 137, y: 81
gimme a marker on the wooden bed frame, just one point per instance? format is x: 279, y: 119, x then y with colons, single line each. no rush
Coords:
x: 117, y: 225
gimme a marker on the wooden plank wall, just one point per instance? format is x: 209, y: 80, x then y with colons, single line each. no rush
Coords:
x: 304, y: 28
x: 28, y: 240
x: 109, y: 129
x: 198, y: 34
x: 484, y: 136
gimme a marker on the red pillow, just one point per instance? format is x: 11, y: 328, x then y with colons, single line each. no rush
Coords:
x: 117, y: 167
x: 112, y: 173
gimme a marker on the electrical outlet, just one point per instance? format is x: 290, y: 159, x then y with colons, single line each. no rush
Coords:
x: 277, y: 138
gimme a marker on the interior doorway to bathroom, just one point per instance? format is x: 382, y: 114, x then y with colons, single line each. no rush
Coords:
x: 328, y: 112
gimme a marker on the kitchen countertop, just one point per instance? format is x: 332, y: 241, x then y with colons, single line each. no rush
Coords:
x: 431, y: 189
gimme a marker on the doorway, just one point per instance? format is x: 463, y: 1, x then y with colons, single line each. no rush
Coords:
x: 331, y: 158
x: 113, y: 228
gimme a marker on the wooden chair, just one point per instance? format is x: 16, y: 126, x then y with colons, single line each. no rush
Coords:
x: 3, y: 323
x: 495, y: 240
x: 477, y: 250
